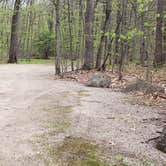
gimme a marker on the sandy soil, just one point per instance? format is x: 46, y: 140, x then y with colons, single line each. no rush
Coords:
x: 102, y: 115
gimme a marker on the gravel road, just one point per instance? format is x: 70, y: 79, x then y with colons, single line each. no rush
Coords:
x: 98, y: 114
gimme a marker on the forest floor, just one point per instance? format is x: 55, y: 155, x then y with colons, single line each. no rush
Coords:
x: 45, y: 121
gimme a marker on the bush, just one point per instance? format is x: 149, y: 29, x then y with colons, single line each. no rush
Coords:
x: 45, y: 44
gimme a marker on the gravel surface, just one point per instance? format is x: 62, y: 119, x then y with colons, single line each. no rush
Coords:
x: 103, y: 116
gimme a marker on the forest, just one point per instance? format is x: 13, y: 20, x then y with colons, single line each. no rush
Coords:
x: 83, y: 82
x: 84, y: 34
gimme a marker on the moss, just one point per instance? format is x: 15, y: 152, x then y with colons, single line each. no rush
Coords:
x: 76, y: 152
x: 93, y: 163
x: 120, y: 161
x: 78, y: 148
x: 82, y: 152
x: 148, y: 163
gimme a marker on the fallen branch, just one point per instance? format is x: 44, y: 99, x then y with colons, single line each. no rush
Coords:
x: 71, y: 77
x: 152, y: 139
x: 163, y: 96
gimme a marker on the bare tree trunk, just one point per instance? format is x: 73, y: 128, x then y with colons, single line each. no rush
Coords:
x: 70, y: 36
x: 14, y: 43
x: 164, y: 37
x: 50, y: 21
x: 158, y: 50
x: 103, y: 66
x: 30, y: 27
x: 105, y: 29
x: 123, y: 41
x: 80, y: 32
x: 57, y: 29
x: 89, y: 24
x: 143, y: 47
x: 118, y: 20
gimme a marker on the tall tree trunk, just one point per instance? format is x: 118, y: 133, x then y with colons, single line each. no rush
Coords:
x: 14, y: 43
x: 105, y: 29
x: 70, y: 36
x: 158, y: 50
x: 30, y: 27
x: 89, y: 24
x: 50, y: 21
x: 79, y: 52
x: 118, y: 20
x: 164, y: 37
x: 143, y: 47
x: 123, y: 41
x: 57, y: 29
x: 103, y: 66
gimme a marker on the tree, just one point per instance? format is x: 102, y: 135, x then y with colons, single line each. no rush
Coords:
x: 123, y: 38
x: 57, y: 30
x: 105, y: 33
x: 159, y: 35
x: 80, y: 33
x: 14, y: 43
x: 44, y: 45
x: 101, y: 32
x: 164, y: 36
x: 89, y: 23
x: 143, y: 47
x: 70, y: 35
x: 117, y: 37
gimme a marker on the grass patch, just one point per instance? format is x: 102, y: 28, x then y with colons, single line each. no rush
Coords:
x: 59, y: 109
x: 36, y: 61
x: 76, y: 152
x: 148, y: 163
x: 60, y: 126
x: 83, y: 93
x: 58, y: 118
x: 80, y: 152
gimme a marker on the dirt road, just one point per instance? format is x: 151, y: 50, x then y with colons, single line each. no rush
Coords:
x: 28, y: 93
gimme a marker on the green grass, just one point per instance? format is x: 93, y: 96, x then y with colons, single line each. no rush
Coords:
x: 76, y: 152
x: 83, y: 93
x: 59, y: 126
x: 61, y: 123
x: 80, y: 152
x: 36, y: 61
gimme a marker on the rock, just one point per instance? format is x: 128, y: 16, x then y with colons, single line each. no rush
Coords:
x: 161, y: 143
x: 143, y: 86
x: 99, y: 80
